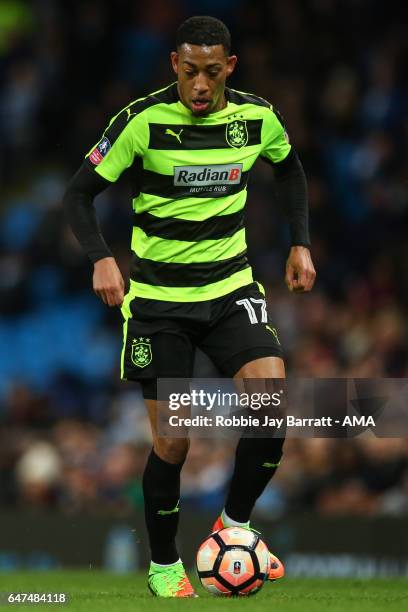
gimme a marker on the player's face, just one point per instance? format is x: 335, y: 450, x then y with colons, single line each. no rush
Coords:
x: 201, y: 75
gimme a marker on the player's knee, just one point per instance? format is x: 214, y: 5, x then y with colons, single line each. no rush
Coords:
x: 173, y: 450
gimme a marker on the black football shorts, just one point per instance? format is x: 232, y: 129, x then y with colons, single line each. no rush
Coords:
x: 160, y: 337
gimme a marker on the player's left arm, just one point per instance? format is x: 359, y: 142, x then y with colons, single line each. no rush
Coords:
x: 291, y: 188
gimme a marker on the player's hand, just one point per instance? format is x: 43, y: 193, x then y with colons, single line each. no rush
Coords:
x: 300, y: 273
x: 108, y: 282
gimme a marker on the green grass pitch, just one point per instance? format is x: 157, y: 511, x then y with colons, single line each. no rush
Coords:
x: 92, y: 590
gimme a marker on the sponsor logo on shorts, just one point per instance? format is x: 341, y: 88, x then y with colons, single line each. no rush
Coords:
x: 99, y: 152
x: 141, y: 352
x: 213, y: 177
x: 274, y: 332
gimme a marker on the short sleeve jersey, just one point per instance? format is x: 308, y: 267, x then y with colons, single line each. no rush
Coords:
x: 189, y: 180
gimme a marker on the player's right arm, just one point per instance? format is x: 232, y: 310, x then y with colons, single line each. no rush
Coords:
x: 78, y: 200
x: 124, y: 139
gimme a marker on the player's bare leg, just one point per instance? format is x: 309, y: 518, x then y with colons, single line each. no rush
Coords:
x: 256, y: 461
x: 172, y: 450
x: 266, y: 367
x: 161, y: 489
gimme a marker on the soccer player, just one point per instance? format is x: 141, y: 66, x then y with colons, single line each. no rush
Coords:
x: 188, y: 150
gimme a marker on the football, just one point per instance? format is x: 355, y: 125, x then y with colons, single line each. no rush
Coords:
x: 233, y: 562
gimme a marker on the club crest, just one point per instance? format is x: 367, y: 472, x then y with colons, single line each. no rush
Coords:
x: 236, y: 133
x: 141, y: 353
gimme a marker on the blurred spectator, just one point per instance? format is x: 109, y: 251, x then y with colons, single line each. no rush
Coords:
x: 37, y: 473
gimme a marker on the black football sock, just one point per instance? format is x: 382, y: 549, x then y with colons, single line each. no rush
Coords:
x: 161, y: 489
x: 256, y: 461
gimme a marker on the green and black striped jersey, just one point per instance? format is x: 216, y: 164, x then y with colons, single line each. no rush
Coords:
x: 189, y: 180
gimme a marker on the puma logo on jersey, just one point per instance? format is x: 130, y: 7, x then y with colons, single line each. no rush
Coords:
x: 129, y: 114
x: 171, y: 133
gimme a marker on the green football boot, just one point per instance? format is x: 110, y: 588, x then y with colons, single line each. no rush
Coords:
x: 169, y: 581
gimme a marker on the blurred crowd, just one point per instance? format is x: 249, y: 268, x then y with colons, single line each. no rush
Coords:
x: 70, y: 434
x: 74, y: 465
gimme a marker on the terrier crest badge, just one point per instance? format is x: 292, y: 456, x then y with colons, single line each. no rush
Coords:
x: 141, y: 354
x: 236, y: 133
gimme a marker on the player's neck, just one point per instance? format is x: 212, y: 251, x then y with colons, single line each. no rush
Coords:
x: 221, y: 104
